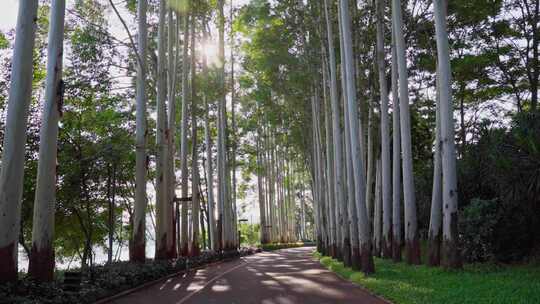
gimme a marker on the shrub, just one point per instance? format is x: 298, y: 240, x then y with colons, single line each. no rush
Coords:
x: 477, y: 230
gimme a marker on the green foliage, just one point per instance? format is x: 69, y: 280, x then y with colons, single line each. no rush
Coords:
x: 477, y: 230
x: 278, y: 246
x: 104, y: 281
x: 405, y: 284
x: 4, y: 42
x: 503, y: 166
x: 250, y: 234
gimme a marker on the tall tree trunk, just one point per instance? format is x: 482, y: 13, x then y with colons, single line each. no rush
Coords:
x: 171, y: 86
x: 435, y: 223
x: 184, y: 237
x: 351, y: 197
x: 233, y: 130
x: 412, y: 242
x: 386, y: 242
x: 12, y: 170
x: 358, y: 166
x: 209, y: 158
x: 396, y: 160
x: 330, y: 169
x: 377, y: 216
x: 164, y: 237
x: 139, y: 216
x: 41, y: 266
x: 344, y: 222
x: 195, y: 248
x: 451, y: 253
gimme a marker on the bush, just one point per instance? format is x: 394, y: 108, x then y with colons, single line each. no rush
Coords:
x: 477, y: 230
x: 106, y: 280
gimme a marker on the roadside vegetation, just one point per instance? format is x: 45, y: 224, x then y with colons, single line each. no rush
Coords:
x: 476, y: 283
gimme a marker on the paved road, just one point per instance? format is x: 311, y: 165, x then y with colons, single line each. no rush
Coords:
x: 288, y: 276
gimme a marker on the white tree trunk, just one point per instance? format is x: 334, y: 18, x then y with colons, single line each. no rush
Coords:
x: 164, y: 235
x: 195, y: 203
x: 171, y: 86
x: 209, y: 159
x: 386, y: 241
x: 396, y: 161
x: 12, y: 169
x: 358, y: 166
x: 139, y: 215
x: 41, y: 266
x: 451, y: 254
x: 183, y: 246
x: 377, y: 216
x: 339, y: 199
x: 435, y: 223
x: 412, y: 243
x: 351, y: 197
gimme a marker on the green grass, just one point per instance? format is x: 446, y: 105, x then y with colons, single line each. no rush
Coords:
x: 277, y: 246
x: 404, y: 284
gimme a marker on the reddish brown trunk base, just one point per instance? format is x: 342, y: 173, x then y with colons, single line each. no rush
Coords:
x: 451, y: 255
x: 165, y: 252
x: 386, y: 247
x: 450, y: 248
x: 8, y: 266
x: 368, y: 267
x: 434, y: 251
x: 41, y: 264
x: 412, y: 251
x: 184, y: 250
x: 346, y: 252
x: 396, y: 251
x: 195, y: 249
x: 138, y: 247
x: 356, y: 259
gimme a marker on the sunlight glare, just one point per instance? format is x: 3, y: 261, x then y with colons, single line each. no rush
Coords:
x: 211, y: 51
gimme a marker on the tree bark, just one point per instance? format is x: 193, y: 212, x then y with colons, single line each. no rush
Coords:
x: 386, y: 241
x: 184, y: 237
x: 396, y: 160
x: 164, y: 236
x: 41, y: 264
x: 139, y: 216
x: 12, y: 170
x: 412, y: 242
x: 358, y: 166
x: 450, y: 250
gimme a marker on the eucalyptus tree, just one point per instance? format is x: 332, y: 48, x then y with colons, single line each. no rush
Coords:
x: 386, y: 241
x: 377, y: 214
x: 435, y: 223
x: 225, y: 212
x: 351, y: 198
x: 365, y: 240
x: 139, y: 215
x: 11, y: 172
x: 451, y: 254
x: 184, y: 237
x: 343, y: 217
x: 412, y: 242
x: 396, y: 159
x: 41, y: 266
x: 209, y: 157
x: 172, y: 33
x: 195, y: 206
x: 164, y: 234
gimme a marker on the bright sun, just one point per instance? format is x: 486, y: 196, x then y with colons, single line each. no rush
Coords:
x: 211, y: 51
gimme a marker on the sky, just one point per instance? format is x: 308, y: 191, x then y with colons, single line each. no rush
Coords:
x: 8, y: 14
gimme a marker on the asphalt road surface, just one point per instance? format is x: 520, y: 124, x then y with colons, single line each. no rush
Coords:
x: 289, y: 276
